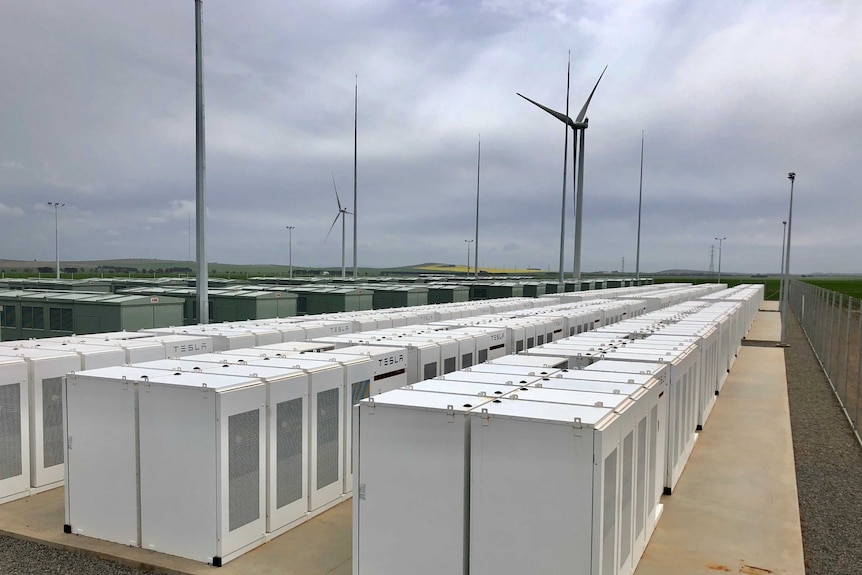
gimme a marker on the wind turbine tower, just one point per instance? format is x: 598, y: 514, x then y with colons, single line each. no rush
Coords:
x: 342, y: 213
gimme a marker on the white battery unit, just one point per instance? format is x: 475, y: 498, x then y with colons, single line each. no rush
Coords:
x: 682, y: 378
x: 45, y: 372
x: 14, y: 429
x: 92, y: 356
x: 516, y: 380
x: 117, y: 335
x: 448, y: 350
x: 217, y: 340
x: 102, y: 485
x: 496, y: 343
x: 262, y: 335
x: 706, y: 339
x: 472, y: 388
x: 285, y: 348
x: 576, y: 355
x: 358, y: 373
x: 532, y: 361
x: 573, y: 510
x: 643, y: 432
x: 410, y: 444
x: 579, y: 380
x: 390, y: 367
x: 136, y: 350
x: 179, y: 345
x: 515, y: 370
x: 203, y: 498
x: 326, y: 328
x: 423, y: 356
x: 326, y: 421
x: 286, y: 433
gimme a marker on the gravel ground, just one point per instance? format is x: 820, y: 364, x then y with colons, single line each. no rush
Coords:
x: 19, y: 557
x: 828, y: 476
x: 828, y: 465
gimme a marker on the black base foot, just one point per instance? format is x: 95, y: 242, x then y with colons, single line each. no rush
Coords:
x: 67, y: 528
x: 699, y: 428
x: 667, y: 491
x: 216, y: 561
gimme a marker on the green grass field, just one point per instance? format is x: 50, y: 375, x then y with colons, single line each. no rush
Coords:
x: 770, y: 289
x: 851, y: 286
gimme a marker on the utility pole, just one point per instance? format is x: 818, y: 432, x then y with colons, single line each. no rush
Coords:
x: 624, y: 266
x: 712, y: 259
x: 468, y: 256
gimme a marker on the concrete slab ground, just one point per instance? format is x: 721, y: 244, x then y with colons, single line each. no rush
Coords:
x: 766, y: 327
x: 735, y: 508
x: 321, y: 546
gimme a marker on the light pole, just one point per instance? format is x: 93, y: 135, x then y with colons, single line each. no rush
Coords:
x: 57, y: 206
x: 781, y: 278
x: 290, y: 248
x: 785, y: 296
x: 719, y: 257
x: 468, y: 256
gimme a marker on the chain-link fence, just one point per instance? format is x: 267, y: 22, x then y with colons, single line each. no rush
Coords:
x: 832, y: 322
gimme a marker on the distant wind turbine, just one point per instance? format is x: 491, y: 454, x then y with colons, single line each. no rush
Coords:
x: 578, y: 126
x: 342, y: 212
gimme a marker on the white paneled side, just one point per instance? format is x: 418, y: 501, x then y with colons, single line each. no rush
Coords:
x: 14, y: 429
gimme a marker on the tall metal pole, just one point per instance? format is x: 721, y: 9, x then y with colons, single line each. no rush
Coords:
x: 355, y: 204
x: 200, y: 198
x: 781, y: 280
x: 468, y: 256
x: 575, y: 265
x: 792, y: 177
x: 57, y: 206
x: 719, y: 257
x: 290, y: 249
x: 343, y: 243
x: 640, y: 202
x: 478, y: 172
x: 565, y: 175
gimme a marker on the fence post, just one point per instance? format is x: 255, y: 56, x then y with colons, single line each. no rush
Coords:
x: 858, y: 370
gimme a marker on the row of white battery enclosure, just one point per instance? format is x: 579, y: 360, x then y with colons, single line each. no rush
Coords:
x: 32, y: 434
x: 590, y: 445
x: 208, y: 457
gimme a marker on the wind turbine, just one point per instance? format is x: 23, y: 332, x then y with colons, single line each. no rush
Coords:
x: 578, y: 126
x: 342, y: 211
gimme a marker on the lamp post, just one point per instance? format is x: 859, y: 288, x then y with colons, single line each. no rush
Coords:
x: 781, y: 278
x: 468, y: 256
x: 290, y: 248
x: 786, y: 295
x: 57, y: 206
x: 719, y: 257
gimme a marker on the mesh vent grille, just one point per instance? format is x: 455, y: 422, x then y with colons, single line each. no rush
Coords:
x: 449, y: 365
x: 288, y: 447
x: 519, y: 345
x: 466, y: 360
x: 52, y: 421
x: 609, y: 510
x: 10, y: 430
x: 243, y: 468
x: 640, y: 484
x: 430, y: 370
x: 626, y: 499
x: 483, y: 355
x: 327, y: 437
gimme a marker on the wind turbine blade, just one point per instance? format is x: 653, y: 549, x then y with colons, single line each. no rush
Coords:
x: 583, y: 113
x: 332, y: 226
x: 337, y: 199
x: 561, y: 117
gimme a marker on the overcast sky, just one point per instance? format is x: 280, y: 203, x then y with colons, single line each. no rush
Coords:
x: 97, y: 110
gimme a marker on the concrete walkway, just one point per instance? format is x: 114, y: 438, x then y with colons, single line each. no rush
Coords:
x: 735, y: 508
